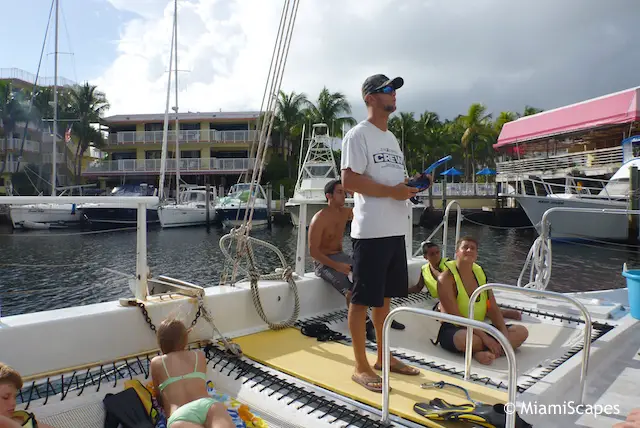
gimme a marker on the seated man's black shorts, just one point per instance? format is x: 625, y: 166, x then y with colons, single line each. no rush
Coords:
x: 445, y: 337
x: 379, y: 270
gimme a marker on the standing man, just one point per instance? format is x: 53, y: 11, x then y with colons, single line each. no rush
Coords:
x: 373, y: 168
x: 326, y: 232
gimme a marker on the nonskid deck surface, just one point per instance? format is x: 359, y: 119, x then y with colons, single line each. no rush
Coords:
x: 553, y: 339
x: 330, y: 366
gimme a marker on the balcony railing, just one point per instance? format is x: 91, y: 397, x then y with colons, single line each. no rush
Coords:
x: 611, y: 157
x: 25, y: 76
x: 189, y: 165
x: 48, y: 158
x: 29, y: 145
x: 461, y: 189
x: 191, y: 136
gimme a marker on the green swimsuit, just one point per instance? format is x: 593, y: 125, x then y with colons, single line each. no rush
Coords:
x: 194, y: 411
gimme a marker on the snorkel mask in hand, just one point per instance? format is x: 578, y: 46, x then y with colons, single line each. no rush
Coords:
x: 423, y: 181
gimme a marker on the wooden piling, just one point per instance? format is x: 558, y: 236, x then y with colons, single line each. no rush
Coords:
x: 269, y: 199
x: 633, y: 204
x: 207, y: 205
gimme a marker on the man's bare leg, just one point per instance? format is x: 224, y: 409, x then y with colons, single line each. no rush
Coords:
x: 363, y: 373
x: 379, y: 315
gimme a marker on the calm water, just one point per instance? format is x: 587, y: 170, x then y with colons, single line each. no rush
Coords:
x: 41, y: 270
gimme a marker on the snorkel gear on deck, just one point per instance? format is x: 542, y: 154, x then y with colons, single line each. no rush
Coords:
x: 475, y: 412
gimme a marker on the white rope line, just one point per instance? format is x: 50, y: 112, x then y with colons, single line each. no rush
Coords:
x: 464, y: 217
x: 93, y: 232
x: 244, y: 243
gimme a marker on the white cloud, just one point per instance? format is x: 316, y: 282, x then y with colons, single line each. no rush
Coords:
x: 450, y: 52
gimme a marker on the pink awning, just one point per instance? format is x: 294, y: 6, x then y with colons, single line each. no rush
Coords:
x: 612, y: 109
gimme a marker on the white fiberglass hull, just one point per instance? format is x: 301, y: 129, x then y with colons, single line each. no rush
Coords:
x: 49, y: 214
x: 577, y: 225
x: 109, y: 332
x: 184, y: 215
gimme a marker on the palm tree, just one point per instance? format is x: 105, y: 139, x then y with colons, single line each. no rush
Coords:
x: 333, y: 109
x: 404, y: 127
x: 528, y: 111
x: 42, y: 104
x: 12, y: 111
x: 504, y: 117
x: 84, y: 106
x: 477, y: 124
x: 290, y: 116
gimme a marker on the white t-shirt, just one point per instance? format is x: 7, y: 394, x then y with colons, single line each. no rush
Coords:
x: 369, y: 151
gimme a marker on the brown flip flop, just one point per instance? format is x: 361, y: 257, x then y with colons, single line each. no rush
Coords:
x: 401, y: 368
x: 368, y: 382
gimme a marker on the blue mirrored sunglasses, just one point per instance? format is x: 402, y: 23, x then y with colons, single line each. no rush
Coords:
x: 386, y: 90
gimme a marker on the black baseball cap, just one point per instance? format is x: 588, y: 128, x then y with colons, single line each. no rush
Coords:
x: 379, y: 81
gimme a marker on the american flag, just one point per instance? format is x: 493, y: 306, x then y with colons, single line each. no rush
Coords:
x: 67, y: 135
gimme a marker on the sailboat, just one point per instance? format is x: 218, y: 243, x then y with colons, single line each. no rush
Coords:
x: 192, y: 202
x: 314, y: 172
x: 45, y: 216
x: 106, y: 214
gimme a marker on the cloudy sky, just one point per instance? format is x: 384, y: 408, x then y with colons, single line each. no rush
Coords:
x: 505, y: 54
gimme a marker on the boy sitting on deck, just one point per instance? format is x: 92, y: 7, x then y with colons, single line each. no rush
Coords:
x: 436, y: 264
x: 10, y: 384
x: 462, y: 277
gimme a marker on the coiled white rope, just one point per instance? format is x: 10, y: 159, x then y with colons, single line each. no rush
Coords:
x: 539, y: 264
x: 241, y: 234
x: 245, y: 248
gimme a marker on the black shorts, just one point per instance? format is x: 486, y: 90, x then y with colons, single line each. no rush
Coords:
x: 446, y: 333
x: 379, y: 270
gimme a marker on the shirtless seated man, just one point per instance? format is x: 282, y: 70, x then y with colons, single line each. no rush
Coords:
x: 462, y: 277
x: 326, y: 232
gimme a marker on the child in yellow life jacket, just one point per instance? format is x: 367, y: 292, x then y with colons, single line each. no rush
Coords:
x: 429, y: 273
x: 10, y: 384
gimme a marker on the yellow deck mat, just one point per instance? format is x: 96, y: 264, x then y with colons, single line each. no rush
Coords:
x: 330, y: 366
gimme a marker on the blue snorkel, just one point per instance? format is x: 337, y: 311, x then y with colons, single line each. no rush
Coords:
x: 423, y: 182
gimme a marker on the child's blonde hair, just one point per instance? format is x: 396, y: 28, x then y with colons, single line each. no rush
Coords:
x: 172, y: 335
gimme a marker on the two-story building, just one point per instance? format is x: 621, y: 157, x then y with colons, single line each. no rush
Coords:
x: 35, y: 156
x: 214, y: 148
x: 582, y: 139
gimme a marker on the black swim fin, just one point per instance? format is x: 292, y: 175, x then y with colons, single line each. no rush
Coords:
x: 486, y: 415
x: 440, y: 410
x: 125, y: 409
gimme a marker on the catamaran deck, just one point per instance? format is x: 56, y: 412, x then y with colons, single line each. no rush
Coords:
x: 287, y: 394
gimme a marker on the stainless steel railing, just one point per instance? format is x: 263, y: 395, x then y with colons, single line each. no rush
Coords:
x: 386, y: 359
x: 541, y: 293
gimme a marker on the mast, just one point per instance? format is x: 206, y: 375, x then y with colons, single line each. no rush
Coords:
x: 163, y: 157
x: 54, y: 159
x: 175, y: 38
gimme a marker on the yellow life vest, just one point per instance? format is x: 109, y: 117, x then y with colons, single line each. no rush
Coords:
x: 480, y: 306
x: 25, y: 419
x: 429, y: 280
